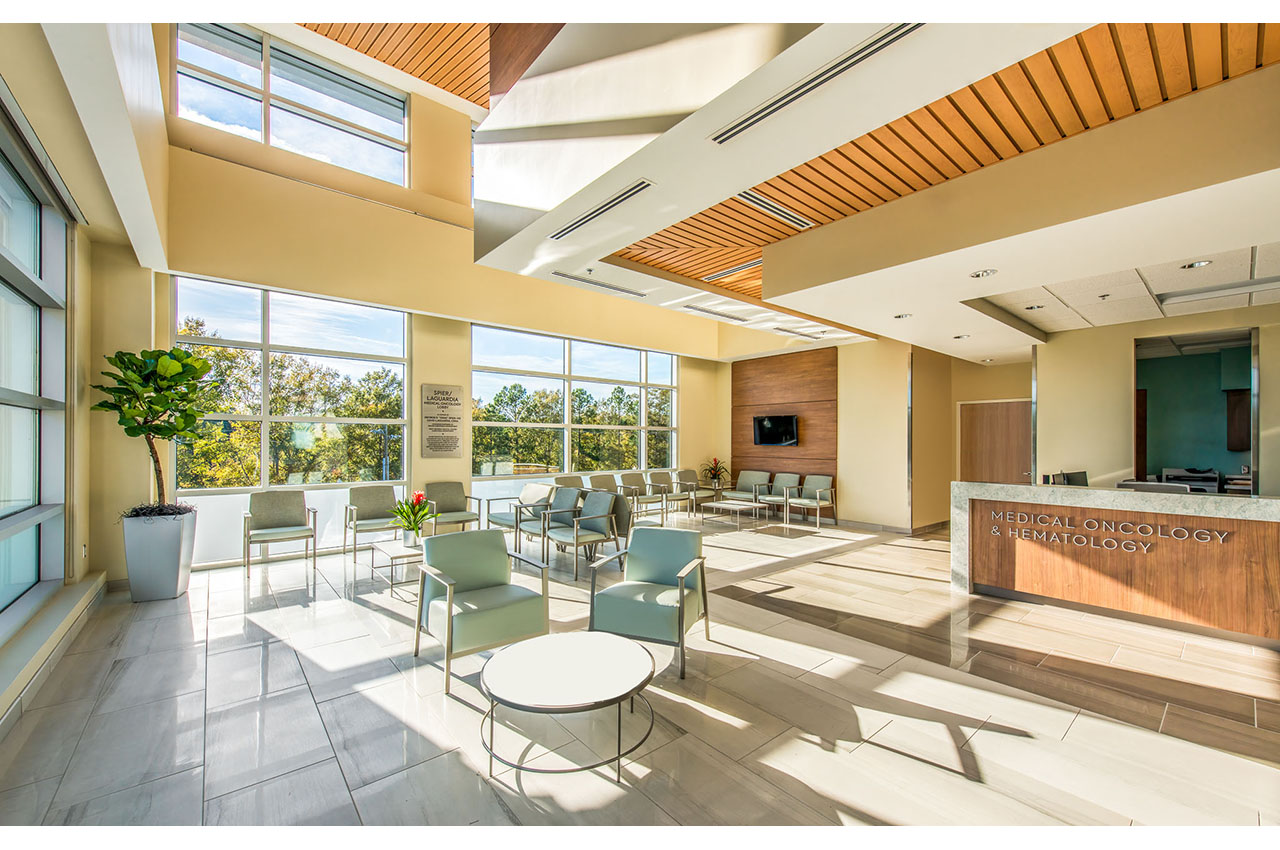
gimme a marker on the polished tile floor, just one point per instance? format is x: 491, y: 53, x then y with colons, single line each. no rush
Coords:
x: 288, y: 699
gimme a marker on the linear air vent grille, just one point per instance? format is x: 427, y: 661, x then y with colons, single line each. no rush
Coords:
x: 599, y: 284
x: 720, y: 275
x: 599, y: 210
x: 814, y: 81
x: 773, y: 208
x: 715, y: 313
x: 798, y: 333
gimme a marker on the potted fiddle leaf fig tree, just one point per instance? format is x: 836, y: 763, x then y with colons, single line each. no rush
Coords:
x: 158, y: 395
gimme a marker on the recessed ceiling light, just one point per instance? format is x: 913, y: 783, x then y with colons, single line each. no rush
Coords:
x: 1104, y: 296
x: 988, y: 360
x: 1197, y: 264
x: 903, y: 316
x: 983, y: 273
x: 960, y: 336
x: 1034, y: 307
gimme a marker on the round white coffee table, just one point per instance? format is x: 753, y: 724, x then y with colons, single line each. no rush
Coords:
x: 564, y: 674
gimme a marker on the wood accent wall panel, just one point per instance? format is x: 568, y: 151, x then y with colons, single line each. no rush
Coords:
x: 995, y: 442
x: 804, y: 384
x: 1232, y: 584
x: 1101, y: 75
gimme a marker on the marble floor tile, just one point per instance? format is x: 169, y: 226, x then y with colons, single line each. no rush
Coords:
x: 237, y: 631
x: 147, y: 678
x: 310, y: 796
x: 337, y: 669
x: 1267, y: 715
x: 226, y: 603
x: 425, y: 671
x: 193, y: 600
x: 75, y: 677
x: 1211, y: 675
x: 26, y: 805
x: 242, y: 674
x: 41, y: 743
x: 722, y: 719
x: 849, y: 651
x: 258, y: 739
x: 1267, y: 667
x: 382, y: 730
x: 699, y: 786
x: 171, y: 801
x: 136, y: 745
x: 792, y: 657
x: 104, y: 630
x: 1260, y: 745
x: 322, y: 623
x: 158, y: 634
x: 599, y: 730
x: 448, y: 790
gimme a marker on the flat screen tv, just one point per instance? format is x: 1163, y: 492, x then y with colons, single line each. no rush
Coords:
x: 777, y: 431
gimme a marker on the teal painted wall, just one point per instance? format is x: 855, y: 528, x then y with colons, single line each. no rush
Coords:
x: 1187, y: 412
x: 1237, y: 364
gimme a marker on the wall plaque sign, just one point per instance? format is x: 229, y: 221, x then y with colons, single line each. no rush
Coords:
x: 441, y: 420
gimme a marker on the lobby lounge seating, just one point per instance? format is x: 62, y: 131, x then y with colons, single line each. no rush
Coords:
x: 467, y: 600
x: 663, y: 589
x: 592, y: 524
x: 533, y: 499
x: 645, y: 499
x: 450, y: 500
x: 607, y: 483
x: 569, y: 481
x: 561, y: 510
x: 751, y: 484
x: 688, y: 483
x: 661, y: 481
x: 370, y: 507
x: 817, y: 493
x: 277, y: 516
x: 776, y: 497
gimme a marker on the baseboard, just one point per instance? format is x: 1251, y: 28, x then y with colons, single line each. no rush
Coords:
x: 872, y: 526
x: 936, y: 526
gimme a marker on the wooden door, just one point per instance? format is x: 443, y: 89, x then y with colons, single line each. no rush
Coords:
x: 995, y: 442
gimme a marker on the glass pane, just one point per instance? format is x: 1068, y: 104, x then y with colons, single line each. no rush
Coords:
x: 19, y: 458
x: 19, y: 564
x: 306, y: 385
x: 658, y: 450
x: 311, y: 85
x: 658, y: 406
x: 605, y: 404
x: 661, y: 368
x: 221, y: 50
x: 218, y: 310
x: 220, y: 108
x: 19, y: 342
x: 319, y: 323
x: 516, y: 398
x: 326, y: 143
x: 516, y: 451
x: 599, y: 449
x: 227, y: 455
x: 604, y: 361
x: 19, y: 218
x: 325, y: 453
x: 238, y: 372
x: 514, y: 350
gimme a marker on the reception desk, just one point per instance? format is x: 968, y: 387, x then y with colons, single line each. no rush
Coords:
x: 1186, y: 558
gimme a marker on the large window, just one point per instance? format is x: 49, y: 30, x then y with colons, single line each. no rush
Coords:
x: 543, y: 405
x: 238, y: 80
x: 311, y: 391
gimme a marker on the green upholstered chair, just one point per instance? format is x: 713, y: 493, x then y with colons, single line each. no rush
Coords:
x: 533, y: 499
x: 663, y: 589
x: 561, y: 511
x: 751, y: 484
x: 818, y: 492
x: 466, y: 599
x: 276, y: 516
x: 574, y: 481
x: 777, y: 496
x: 593, y: 524
x: 451, y: 502
x: 370, y: 507
x: 645, y: 499
x: 660, y: 481
x: 688, y: 483
x: 608, y: 483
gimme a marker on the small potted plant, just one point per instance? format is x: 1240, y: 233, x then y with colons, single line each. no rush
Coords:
x: 715, y: 471
x: 411, y: 513
x: 158, y: 395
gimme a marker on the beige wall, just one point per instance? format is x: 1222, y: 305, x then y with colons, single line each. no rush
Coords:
x: 1085, y: 390
x: 871, y: 478
x: 441, y: 355
x: 703, y: 398
x: 976, y: 382
x: 932, y: 438
x: 80, y: 375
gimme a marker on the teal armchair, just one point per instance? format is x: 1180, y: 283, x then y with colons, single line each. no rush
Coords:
x: 370, y: 508
x: 688, y: 483
x: 751, y: 484
x: 451, y: 503
x: 783, y: 484
x: 529, y: 505
x: 817, y: 493
x: 277, y: 516
x: 466, y: 599
x: 559, y: 513
x: 645, y: 499
x: 663, y: 589
x: 594, y: 523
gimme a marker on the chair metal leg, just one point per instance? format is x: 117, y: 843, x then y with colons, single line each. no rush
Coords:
x: 246, y: 557
x: 681, y: 656
x: 344, y: 541
x: 447, y: 666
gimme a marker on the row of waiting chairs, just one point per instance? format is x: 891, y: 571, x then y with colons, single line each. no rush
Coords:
x: 786, y: 492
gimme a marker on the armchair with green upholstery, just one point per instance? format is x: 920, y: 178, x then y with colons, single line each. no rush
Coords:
x: 751, y: 484
x: 645, y: 499
x: 559, y: 513
x: 661, y: 481
x: 779, y: 491
x: 370, y: 507
x: 688, y: 483
x: 466, y: 599
x: 532, y: 501
x: 276, y: 516
x: 574, y: 481
x: 605, y: 482
x: 817, y: 493
x: 449, y: 501
x: 663, y: 589
x: 594, y: 523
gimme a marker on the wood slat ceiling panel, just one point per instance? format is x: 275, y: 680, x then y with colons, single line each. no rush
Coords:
x: 1105, y: 73
x: 454, y: 57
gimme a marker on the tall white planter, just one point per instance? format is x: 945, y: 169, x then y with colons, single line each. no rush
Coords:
x: 158, y: 552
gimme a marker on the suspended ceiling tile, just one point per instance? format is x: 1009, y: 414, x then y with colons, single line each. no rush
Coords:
x: 1227, y: 267
x: 1271, y: 296
x: 1268, y: 261
x: 1022, y: 298
x: 1117, y: 285
x: 1208, y: 305
x: 1115, y: 311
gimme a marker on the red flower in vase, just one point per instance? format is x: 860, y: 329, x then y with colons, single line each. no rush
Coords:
x: 418, y: 497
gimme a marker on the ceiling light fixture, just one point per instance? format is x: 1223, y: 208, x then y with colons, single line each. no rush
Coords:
x: 1244, y: 287
x: 618, y: 290
x: 1104, y: 296
x: 987, y: 360
x: 711, y: 278
x: 1034, y: 307
x: 716, y: 313
x: 903, y: 316
x: 960, y: 336
x: 799, y: 333
x: 1198, y: 264
x: 775, y: 209
x: 983, y: 273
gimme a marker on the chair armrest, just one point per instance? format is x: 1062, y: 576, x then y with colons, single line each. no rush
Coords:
x: 498, y: 499
x: 248, y: 520
x: 561, y: 511
x: 349, y: 514
x: 597, y: 564
x: 435, y: 574
x: 661, y: 488
x: 475, y: 499
x: 579, y: 519
x: 629, y: 489
x: 787, y: 490
x: 755, y: 491
x: 521, y: 507
x: 431, y: 506
x: 830, y: 491
x: 688, y: 568
x: 530, y: 561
